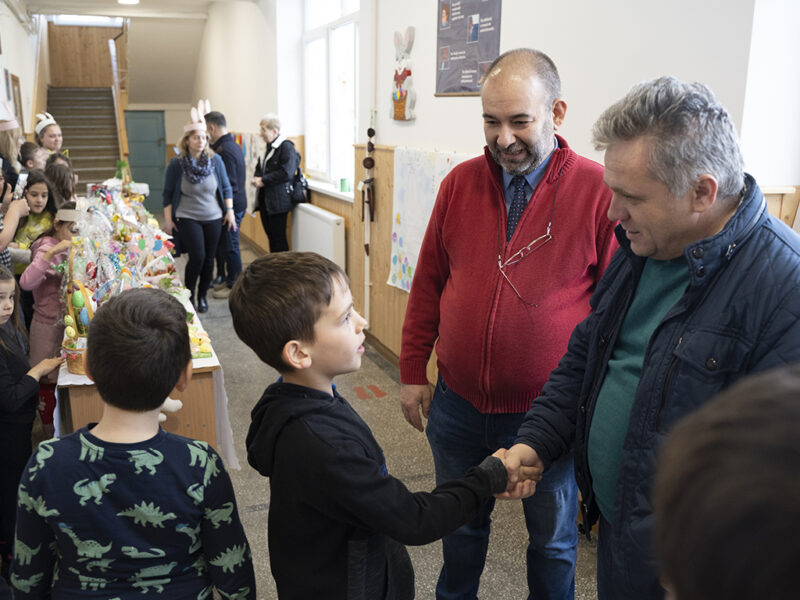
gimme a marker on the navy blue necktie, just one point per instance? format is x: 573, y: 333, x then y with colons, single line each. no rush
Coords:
x: 518, y: 203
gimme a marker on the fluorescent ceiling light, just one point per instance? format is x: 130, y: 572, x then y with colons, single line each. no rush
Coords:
x: 128, y: 1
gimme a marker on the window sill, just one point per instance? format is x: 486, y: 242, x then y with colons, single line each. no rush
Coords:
x: 323, y: 187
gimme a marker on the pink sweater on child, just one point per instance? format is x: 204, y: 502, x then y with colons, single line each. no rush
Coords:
x: 43, y: 280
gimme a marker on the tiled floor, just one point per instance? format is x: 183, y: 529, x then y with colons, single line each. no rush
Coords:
x: 373, y: 391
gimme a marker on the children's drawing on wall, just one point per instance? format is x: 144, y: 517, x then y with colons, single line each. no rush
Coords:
x: 417, y: 176
x: 403, y: 96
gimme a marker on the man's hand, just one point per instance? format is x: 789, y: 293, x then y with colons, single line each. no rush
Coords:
x: 412, y: 397
x: 524, y: 468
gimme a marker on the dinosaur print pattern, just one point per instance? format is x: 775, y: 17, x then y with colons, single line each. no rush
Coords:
x: 24, y: 553
x: 219, y: 515
x: 230, y: 559
x: 44, y: 452
x: 145, y: 459
x: 147, y: 513
x: 118, y: 521
x: 89, y: 451
x: 85, y: 548
x: 93, y: 490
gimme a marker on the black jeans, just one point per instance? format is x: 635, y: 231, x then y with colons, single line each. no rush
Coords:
x: 199, y: 239
x: 275, y: 228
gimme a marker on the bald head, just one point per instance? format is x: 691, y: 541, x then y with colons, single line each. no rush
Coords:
x: 524, y: 63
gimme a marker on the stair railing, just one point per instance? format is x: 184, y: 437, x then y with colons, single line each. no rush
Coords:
x: 116, y: 92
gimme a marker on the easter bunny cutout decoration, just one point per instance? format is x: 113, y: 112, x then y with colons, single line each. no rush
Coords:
x: 403, y: 96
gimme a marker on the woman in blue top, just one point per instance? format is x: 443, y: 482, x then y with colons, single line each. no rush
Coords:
x: 197, y: 201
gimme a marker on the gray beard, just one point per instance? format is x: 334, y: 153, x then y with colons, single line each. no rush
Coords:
x: 535, y: 157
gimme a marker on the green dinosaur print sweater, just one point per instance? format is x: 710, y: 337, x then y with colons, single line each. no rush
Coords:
x: 102, y: 520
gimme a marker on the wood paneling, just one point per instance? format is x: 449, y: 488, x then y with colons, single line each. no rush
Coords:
x: 79, y: 55
x: 783, y: 202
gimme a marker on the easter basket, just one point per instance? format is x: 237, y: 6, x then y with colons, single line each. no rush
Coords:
x: 79, y: 309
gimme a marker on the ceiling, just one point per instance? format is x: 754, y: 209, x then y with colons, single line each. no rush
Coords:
x: 110, y: 8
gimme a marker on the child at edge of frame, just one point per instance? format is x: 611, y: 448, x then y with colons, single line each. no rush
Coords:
x: 122, y: 508
x: 338, y: 521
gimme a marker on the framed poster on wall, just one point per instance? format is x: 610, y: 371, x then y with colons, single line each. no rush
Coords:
x: 467, y: 41
x: 16, y: 92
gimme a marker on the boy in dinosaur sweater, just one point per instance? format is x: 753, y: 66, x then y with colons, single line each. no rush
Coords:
x: 122, y: 508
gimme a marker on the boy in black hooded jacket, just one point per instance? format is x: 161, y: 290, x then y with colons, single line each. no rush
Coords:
x: 337, y: 519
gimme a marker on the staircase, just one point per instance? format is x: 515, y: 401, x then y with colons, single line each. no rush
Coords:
x: 86, y: 118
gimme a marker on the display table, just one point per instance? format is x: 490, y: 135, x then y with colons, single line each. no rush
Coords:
x: 204, y: 415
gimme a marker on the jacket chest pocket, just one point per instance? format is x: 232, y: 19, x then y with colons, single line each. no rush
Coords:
x: 705, y: 362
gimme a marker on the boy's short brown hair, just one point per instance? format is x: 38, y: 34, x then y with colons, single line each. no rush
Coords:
x: 138, y: 347
x: 279, y: 298
x: 727, y: 494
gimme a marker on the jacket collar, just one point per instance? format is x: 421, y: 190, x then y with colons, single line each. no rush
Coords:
x: 277, y: 141
x: 707, y: 256
x: 223, y: 139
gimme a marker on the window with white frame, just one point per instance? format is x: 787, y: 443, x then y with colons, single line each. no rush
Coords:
x: 331, y: 70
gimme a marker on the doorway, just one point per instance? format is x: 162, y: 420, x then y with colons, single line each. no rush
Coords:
x: 147, y: 147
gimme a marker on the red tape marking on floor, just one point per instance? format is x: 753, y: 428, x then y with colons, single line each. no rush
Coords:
x: 379, y: 393
x: 362, y: 393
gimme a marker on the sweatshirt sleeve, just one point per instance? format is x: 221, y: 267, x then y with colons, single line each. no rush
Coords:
x: 35, y: 273
x: 421, y: 324
x: 16, y: 392
x: 225, y: 546
x: 34, y: 557
x: 352, y: 487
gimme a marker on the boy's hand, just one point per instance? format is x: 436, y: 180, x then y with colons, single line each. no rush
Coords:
x: 524, y: 468
x: 412, y: 397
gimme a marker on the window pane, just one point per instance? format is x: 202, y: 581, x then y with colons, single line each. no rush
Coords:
x: 320, y: 12
x: 343, y: 100
x: 350, y: 6
x: 316, y: 84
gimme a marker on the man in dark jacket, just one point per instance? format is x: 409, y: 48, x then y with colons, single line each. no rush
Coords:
x: 704, y: 289
x: 229, y: 259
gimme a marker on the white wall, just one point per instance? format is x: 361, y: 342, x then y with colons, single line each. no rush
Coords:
x: 236, y: 68
x: 19, y: 57
x: 289, y: 60
x: 771, y: 124
x: 601, y: 50
x: 163, y: 59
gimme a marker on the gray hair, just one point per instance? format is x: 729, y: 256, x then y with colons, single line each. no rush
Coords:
x: 271, y: 121
x: 539, y: 62
x: 692, y: 134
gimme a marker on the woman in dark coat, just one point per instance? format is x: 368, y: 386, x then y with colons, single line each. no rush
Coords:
x: 277, y: 173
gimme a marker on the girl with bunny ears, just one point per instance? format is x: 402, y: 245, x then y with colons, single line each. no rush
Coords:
x: 198, y: 200
x: 48, y: 133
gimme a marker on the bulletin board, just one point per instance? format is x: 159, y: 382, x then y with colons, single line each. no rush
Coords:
x: 467, y: 41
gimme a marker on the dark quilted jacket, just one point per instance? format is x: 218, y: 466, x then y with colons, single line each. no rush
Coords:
x: 740, y: 314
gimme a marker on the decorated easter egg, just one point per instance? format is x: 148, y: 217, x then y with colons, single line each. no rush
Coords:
x: 69, y: 321
x: 84, y: 317
x: 77, y: 299
x: 91, y: 270
x: 70, y: 332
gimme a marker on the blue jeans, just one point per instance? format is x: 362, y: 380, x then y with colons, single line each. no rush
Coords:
x: 461, y: 437
x: 229, y: 257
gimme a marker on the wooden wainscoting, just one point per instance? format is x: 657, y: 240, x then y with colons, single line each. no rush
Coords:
x: 79, y: 55
x: 782, y: 202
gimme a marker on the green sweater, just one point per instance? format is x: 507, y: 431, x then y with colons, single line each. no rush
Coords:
x: 662, y: 284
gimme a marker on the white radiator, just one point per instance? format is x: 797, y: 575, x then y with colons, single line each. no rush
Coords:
x: 320, y: 231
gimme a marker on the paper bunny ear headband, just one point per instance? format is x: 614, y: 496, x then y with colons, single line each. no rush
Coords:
x: 7, y: 118
x: 45, y: 119
x: 198, y: 120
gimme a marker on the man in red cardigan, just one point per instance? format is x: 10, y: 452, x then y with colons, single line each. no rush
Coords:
x: 517, y: 240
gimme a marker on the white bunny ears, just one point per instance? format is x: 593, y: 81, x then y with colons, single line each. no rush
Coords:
x: 45, y: 119
x: 198, y: 120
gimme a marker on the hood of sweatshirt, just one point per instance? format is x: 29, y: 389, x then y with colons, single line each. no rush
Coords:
x: 280, y: 403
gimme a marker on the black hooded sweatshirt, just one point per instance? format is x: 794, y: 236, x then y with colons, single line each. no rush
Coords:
x: 338, y: 521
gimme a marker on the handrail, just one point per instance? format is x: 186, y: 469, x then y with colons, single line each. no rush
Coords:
x: 122, y: 133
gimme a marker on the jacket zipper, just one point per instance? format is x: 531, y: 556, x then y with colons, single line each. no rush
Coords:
x: 665, y: 389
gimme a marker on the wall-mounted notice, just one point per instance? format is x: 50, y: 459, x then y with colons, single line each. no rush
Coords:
x: 468, y: 41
